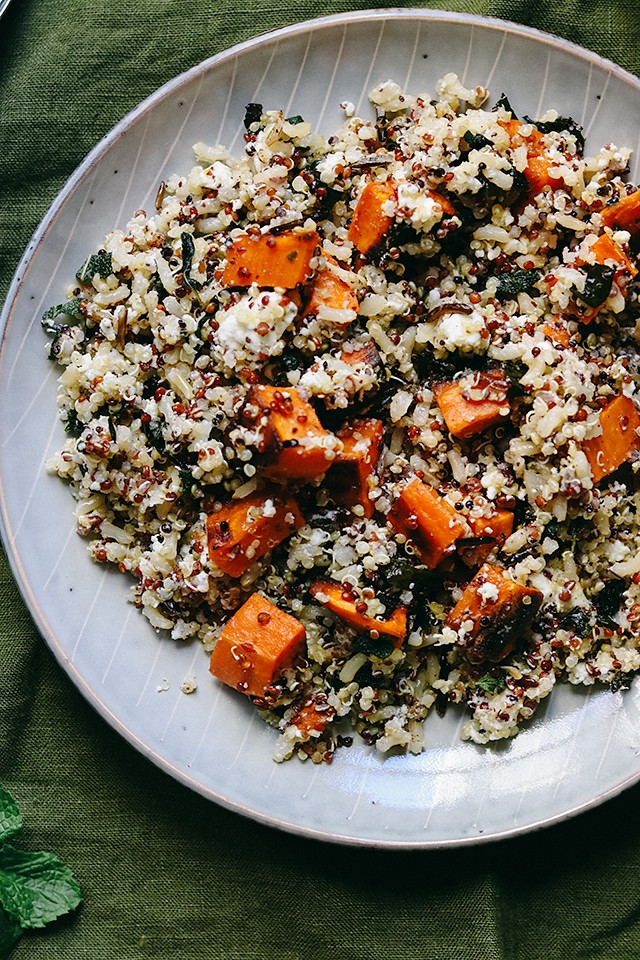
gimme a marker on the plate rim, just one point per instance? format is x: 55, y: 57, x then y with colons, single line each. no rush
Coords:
x: 22, y: 579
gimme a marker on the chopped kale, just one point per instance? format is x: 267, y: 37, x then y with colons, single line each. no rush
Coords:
x: 99, y: 263
x: 598, y: 284
x: 383, y: 647
x: 289, y: 360
x: 70, y: 309
x: 608, y: 603
x: 476, y: 140
x: 491, y: 684
x: 515, y: 370
x: 295, y: 119
x: 560, y: 125
x: 502, y: 103
x: 151, y: 384
x: 153, y: 432
x: 620, y: 681
x: 576, y: 621
x: 187, y: 481
x: 252, y: 114
x: 71, y: 422
x: 188, y: 251
x: 518, y: 281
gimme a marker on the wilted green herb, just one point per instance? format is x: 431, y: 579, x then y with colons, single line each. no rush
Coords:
x: 597, y: 286
x: 153, y: 433
x: 577, y: 621
x: 188, y: 252
x: 252, y: 114
x: 99, y: 263
x: 476, y: 140
x: 70, y: 309
x: 71, y: 422
x: 382, y: 647
x: 560, y: 125
x: 518, y: 281
x: 491, y: 684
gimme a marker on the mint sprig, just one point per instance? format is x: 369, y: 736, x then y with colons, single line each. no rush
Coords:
x: 35, y: 888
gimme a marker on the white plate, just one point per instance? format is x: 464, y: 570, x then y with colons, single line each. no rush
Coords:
x: 583, y: 746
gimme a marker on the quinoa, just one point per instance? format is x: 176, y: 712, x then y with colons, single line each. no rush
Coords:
x: 430, y: 564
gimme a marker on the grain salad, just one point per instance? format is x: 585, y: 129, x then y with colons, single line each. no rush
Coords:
x: 359, y: 415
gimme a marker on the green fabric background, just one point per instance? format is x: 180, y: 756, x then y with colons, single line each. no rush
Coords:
x: 165, y: 873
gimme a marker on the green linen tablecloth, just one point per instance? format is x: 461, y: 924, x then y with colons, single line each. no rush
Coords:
x: 164, y: 872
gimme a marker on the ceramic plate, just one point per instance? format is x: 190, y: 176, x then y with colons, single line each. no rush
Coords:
x: 582, y: 747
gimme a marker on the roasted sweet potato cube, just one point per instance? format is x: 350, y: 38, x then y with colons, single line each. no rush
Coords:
x: 495, y: 528
x: 312, y: 716
x: 256, y: 646
x: 619, y: 420
x: 348, y: 475
x: 556, y: 331
x: 332, y: 296
x: 296, y: 446
x: 428, y: 520
x: 244, y: 530
x: 332, y: 595
x: 370, y: 220
x: 473, y: 403
x: 492, y: 614
x: 623, y: 215
x: 281, y: 260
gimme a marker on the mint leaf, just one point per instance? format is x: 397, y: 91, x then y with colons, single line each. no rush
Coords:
x: 10, y: 931
x: 71, y: 309
x: 99, y: 263
x: 35, y: 888
x: 10, y: 819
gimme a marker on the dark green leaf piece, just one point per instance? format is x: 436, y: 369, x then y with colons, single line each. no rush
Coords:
x: 491, y: 684
x: 503, y: 103
x: 10, y: 931
x: 296, y: 119
x: 252, y: 114
x: 99, y: 263
x: 10, y: 819
x: 560, y: 125
x: 188, y: 252
x: 576, y: 621
x: 519, y: 281
x: 476, y: 140
x: 598, y: 284
x: 35, y: 888
x: 153, y: 433
x: 71, y: 309
x: 382, y: 647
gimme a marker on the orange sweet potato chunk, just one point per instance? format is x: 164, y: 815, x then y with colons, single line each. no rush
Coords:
x: 428, y: 520
x: 492, y: 613
x: 370, y: 223
x: 348, y: 475
x: 296, y: 445
x: 331, y: 291
x: 258, y: 643
x: 623, y: 215
x: 473, y: 404
x: 281, y: 260
x: 244, y: 530
x: 619, y: 421
x: 332, y: 595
